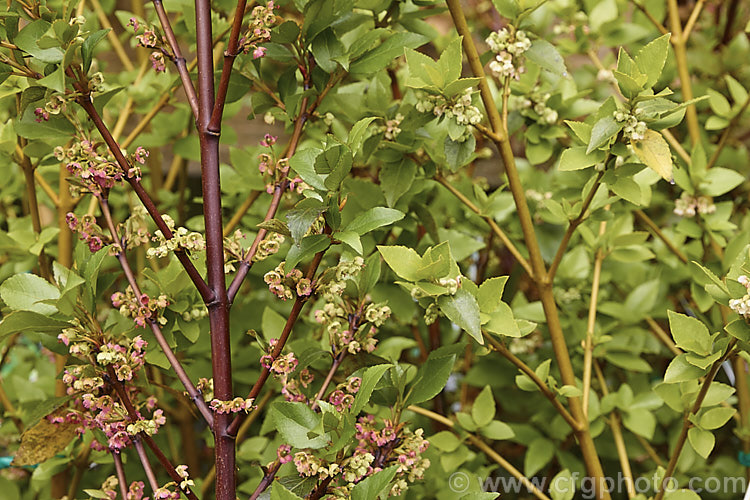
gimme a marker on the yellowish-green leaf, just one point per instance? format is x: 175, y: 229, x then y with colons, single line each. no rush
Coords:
x: 654, y: 152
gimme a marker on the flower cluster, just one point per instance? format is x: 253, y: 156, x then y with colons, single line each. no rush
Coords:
x: 275, y: 169
x: 181, y: 239
x: 351, y: 325
x: 398, y: 445
x: 535, y: 106
x: 134, y: 231
x: 379, y: 446
x: 93, y: 172
x: 262, y: 19
x: 233, y: 406
x: 391, y: 128
x: 151, y: 39
x: 308, y: 465
x: 56, y: 105
x: 141, y: 309
x: 432, y: 311
x: 282, y: 369
x: 269, y: 246
x: 88, y: 231
x: 286, y: 285
x: 742, y: 306
x: 343, y: 396
x: 688, y: 205
x: 508, y: 47
x: 106, y: 362
x: 460, y: 108
x: 634, y: 129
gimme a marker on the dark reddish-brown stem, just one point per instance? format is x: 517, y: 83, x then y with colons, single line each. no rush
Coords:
x: 85, y: 102
x: 218, y: 309
x: 321, y: 490
x: 120, y: 471
x: 267, y: 480
x: 179, y: 60
x: 291, y: 320
x: 230, y: 54
x: 146, y: 464
x: 192, y: 391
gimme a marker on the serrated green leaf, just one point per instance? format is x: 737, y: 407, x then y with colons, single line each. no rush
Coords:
x: 463, y: 310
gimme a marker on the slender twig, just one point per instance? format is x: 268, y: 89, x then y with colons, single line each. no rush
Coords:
x: 656, y: 230
x: 267, y: 479
x: 680, y: 53
x: 651, y: 18
x: 588, y: 348
x: 178, y: 59
x: 133, y: 414
x: 46, y: 188
x: 120, y: 471
x: 492, y: 454
x: 146, y: 464
x: 650, y: 451
x: 85, y: 101
x: 573, y: 225
x: 193, y: 392
x: 660, y: 334
x: 676, y: 145
x: 541, y: 384
x: 686, y: 423
x: 692, y: 19
x: 614, y: 425
x: 230, y: 54
x: 291, y: 320
x: 334, y: 367
x: 490, y: 221
x: 247, y: 262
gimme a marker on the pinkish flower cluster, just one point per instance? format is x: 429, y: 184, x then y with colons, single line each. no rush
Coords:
x: 91, y: 171
x: 94, y: 407
x: 262, y: 19
x: 284, y: 454
x: 379, y: 446
x: 351, y: 323
x: 343, y: 396
x: 149, y: 38
x: 235, y: 405
x: 142, y: 309
x: 286, y: 285
x: 393, y: 444
x: 277, y: 169
x: 88, y: 231
x: 282, y: 369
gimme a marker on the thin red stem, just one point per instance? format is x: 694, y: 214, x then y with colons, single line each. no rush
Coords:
x: 178, y: 59
x: 291, y: 320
